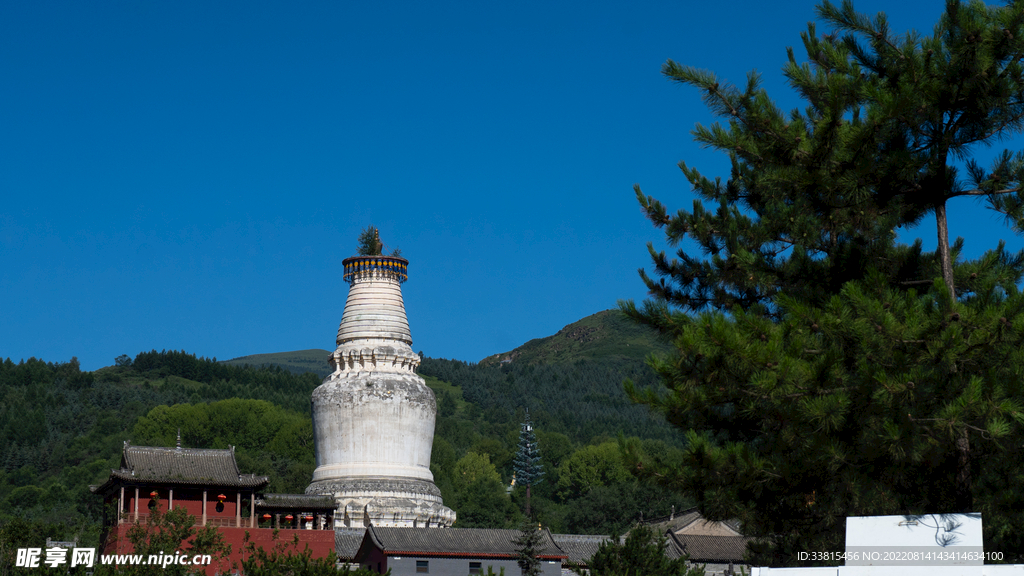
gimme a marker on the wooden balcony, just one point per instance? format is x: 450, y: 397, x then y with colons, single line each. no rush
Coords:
x: 219, y: 522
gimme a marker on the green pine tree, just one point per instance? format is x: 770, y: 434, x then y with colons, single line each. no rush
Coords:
x: 823, y: 369
x: 943, y: 95
x: 369, y: 243
x: 528, y: 543
x: 527, y: 465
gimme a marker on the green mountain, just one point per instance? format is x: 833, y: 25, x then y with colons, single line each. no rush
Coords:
x: 570, y: 381
x: 607, y: 335
x: 297, y: 362
x: 62, y: 429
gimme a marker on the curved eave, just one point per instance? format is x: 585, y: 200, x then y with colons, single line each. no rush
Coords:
x: 118, y: 477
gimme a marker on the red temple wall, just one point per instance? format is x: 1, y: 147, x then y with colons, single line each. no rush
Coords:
x: 320, y: 542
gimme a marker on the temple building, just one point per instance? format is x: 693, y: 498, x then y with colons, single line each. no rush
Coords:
x: 373, y: 417
x: 209, y: 486
x: 453, y: 552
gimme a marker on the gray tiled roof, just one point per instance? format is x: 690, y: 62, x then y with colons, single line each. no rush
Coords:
x: 675, y: 547
x: 303, y: 501
x: 681, y: 520
x: 706, y: 549
x: 193, y: 466
x: 466, y: 542
x: 579, y: 547
x: 347, y: 541
x: 677, y: 521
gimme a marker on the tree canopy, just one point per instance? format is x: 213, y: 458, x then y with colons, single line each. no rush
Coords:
x: 527, y: 464
x: 641, y: 553
x: 528, y: 546
x: 824, y: 369
x: 167, y: 532
x: 369, y: 243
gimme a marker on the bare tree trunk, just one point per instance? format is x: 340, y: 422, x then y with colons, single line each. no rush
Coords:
x: 964, y: 497
x: 944, y: 257
x: 527, y: 501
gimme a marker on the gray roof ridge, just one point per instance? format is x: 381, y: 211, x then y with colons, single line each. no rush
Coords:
x: 175, y: 450
x: 580, y: 536
x: 393, y: 536
x: 672, y: 516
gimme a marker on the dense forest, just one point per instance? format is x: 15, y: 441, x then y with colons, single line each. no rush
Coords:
x: 63, y: 429
x: 598, y: 407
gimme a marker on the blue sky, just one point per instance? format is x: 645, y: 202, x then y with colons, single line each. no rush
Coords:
x: 190, y: 175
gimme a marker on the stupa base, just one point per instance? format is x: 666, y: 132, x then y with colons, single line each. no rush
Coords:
x: 386, y: 502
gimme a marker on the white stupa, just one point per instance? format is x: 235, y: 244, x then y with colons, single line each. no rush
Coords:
x: 373, y: 418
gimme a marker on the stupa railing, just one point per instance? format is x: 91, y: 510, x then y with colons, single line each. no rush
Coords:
x: 386, y: 266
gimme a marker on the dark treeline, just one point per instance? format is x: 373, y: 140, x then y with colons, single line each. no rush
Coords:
x: 222, y: 381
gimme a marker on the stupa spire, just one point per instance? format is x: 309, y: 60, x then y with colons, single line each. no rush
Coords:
x: 375, y: 309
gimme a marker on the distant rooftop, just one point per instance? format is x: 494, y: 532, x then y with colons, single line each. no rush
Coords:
x: 183, y: 466
x: 461, y: 542
x: 703, y: 549
x: 579, y: 547
x: 347, y: 541
x: 705, y: 541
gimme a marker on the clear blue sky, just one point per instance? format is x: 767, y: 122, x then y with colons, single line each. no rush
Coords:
x: 190, y: 175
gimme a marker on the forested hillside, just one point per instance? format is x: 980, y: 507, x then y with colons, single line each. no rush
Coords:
x: 63, y: 429
x: 298, y: 361
x: 583, y: 400
x: 607, y: 335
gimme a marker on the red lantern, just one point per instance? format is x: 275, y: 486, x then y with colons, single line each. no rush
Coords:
x: 221, y: 497
x: 153, y: 494
x: 309, y: 517
x: 289, y: 517
x: 266, y: 516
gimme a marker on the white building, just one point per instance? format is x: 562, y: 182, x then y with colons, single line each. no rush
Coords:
x: 925, y: 545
